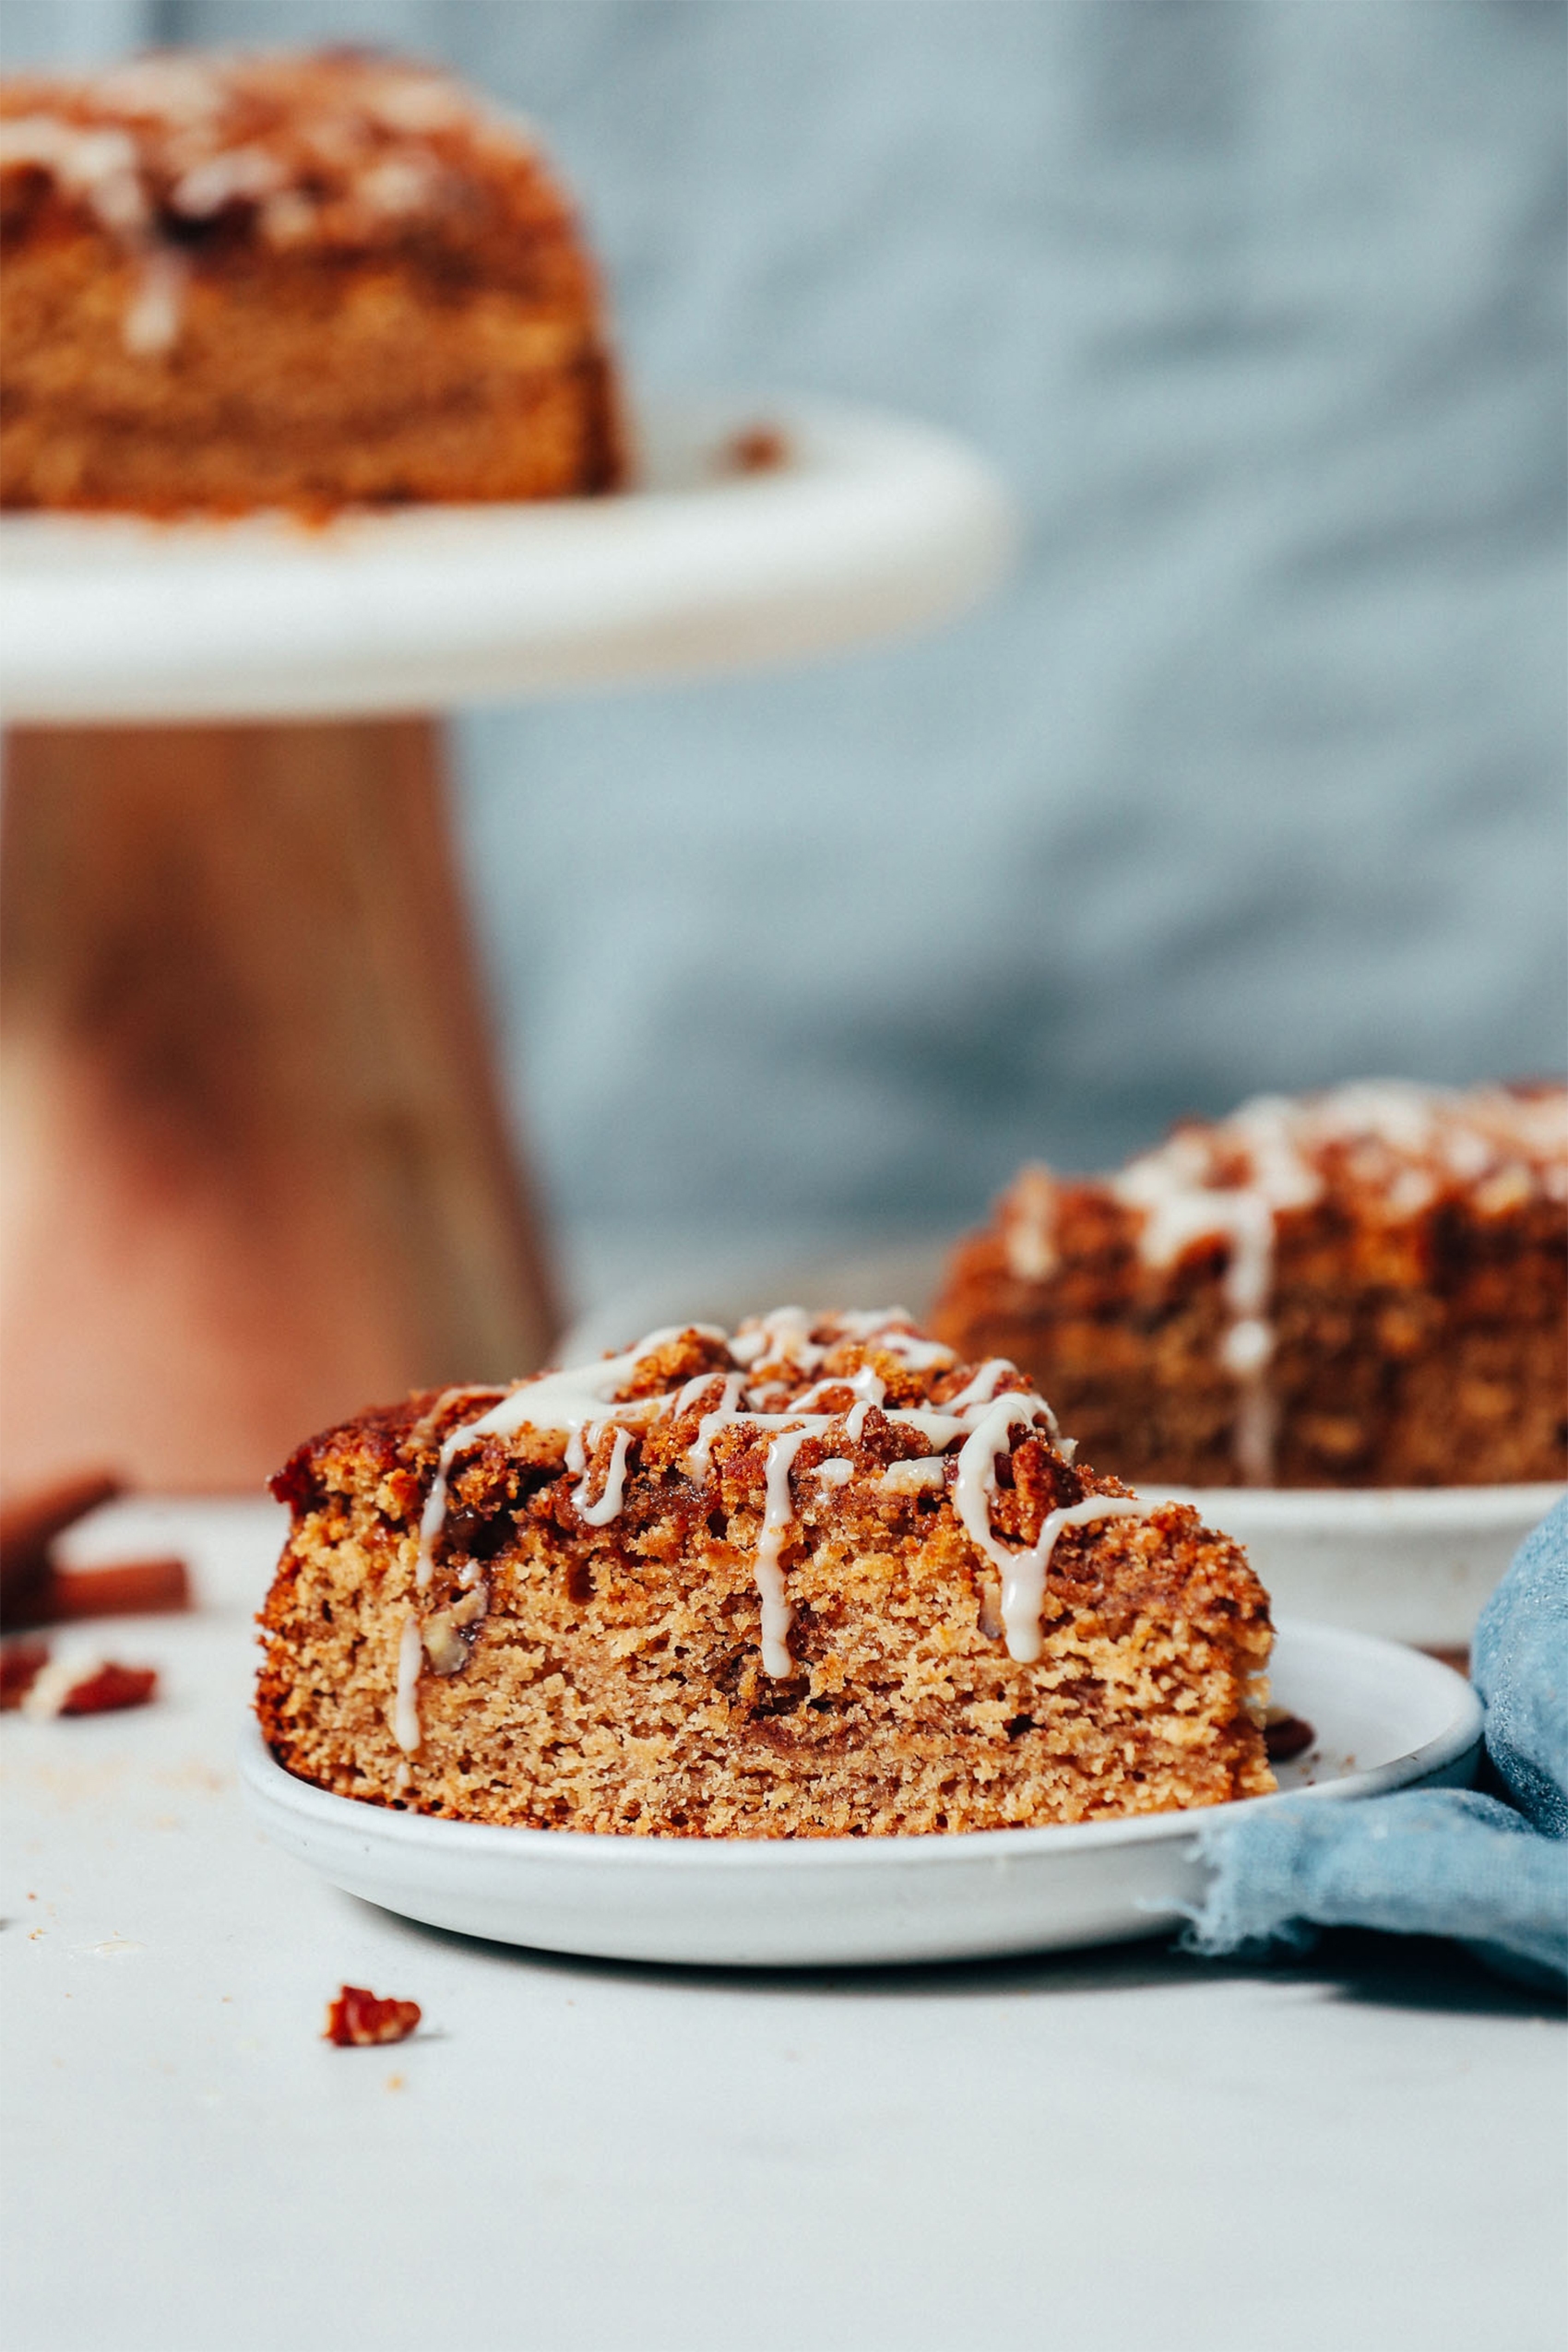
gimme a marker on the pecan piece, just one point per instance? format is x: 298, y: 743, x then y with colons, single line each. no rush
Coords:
x: 1285, y: 1736
x: 109, y: 1687
x: 357, y: 2019
x: 21, y: 1663
x: 88, y: 1686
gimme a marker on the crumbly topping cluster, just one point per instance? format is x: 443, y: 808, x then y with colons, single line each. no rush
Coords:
x: 1385, y: 1152
x: 781, y: 1410
x: 335, y: 149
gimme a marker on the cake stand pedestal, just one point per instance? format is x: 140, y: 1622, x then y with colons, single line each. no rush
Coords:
x: 256, y: 1167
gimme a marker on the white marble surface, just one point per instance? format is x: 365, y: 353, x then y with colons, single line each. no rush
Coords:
x: 1363, y: 2148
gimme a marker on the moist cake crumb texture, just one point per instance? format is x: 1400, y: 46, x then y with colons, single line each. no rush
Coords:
x: 820, y: 1578
x: 1363, y: 1288
x: 307, y: 280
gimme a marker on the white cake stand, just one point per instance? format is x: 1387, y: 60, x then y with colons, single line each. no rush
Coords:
x: 258, y: 1171
x: 869, y: 526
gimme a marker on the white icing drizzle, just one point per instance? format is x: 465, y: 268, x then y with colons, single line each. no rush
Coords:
x: 1028, y: 1225
x: 152, y: 320
x: 98, y: 162
x: 1023, y: 1569
x: 443, y: 1404
x: 866, y: 1387
x: 891, y: 1328
x: 102, y: 165
x: 405, y: 1706
x: 684, y: 1398
x: 235, y: 171
x: 781, y: 1338
x: 700, y: 1456
x: 600, y: 1514
x: 1185, y: 1198
x: 983, y: 1388
x: 916, y: 1477
x: 582, y: 1402
x: 565, y: 1400
x: 777, y: 1517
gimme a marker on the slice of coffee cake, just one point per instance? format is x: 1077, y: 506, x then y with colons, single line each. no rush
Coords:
x: 306, y: 280
x: 817, y: 1579
x: 1363, y: 1288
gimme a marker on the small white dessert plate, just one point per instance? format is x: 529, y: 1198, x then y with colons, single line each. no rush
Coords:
x: 1412, y: 1563
x: 1386, y: 1717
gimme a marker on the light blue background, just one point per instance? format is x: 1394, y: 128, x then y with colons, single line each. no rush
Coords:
x: 1251, y: 778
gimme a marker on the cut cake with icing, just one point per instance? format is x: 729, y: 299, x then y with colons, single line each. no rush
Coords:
x: 1362, y: 1288
x: 308, y: 281
x: 818, y: 1579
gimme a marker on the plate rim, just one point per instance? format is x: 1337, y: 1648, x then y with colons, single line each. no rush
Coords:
x: 267, y: 1784
x: 1347, y: 1510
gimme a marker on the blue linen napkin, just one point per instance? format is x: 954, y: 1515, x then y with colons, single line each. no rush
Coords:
x: 1433, y: 1861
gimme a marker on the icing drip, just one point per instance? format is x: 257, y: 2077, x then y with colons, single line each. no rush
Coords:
x: 865, y: 1386
x: 151, y: 323
x: 98, y: 163
x: 1028, y: 1225
x: 916, y: 1477
x: 782, y: 1338
x: 1023, y: 1569
x: 701, y: 1455
x: 405, y: 1706
x: 563, y: 1400
x: 102, y: 167
x: 785, y: 1338
x: 600, y: 1514
x: 891, y: 1328
x: 442, y: 1405
x: 1185, y: 1199
x: 983, y: 1388
x: 237, y: 172
x: 777, y: 1517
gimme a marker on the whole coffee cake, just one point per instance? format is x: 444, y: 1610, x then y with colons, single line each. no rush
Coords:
x: 820, y: 1578
x: 1363, y: 1288
x: 237, y: 281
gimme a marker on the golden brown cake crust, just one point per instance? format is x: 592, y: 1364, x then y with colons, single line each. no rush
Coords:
x: 1408, y: 1251
x: 612, y: 1676
x: 240, y: 281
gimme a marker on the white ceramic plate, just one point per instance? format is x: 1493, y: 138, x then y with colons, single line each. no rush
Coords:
x: 1387, y: 1718
x: 1412, y: 1563
x: 870, y: 526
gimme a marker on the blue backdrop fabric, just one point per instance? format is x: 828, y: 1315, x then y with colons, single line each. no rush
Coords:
x: 1252, y: 776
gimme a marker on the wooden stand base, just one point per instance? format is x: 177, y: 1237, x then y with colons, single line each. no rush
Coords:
x: 256, y: 1174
